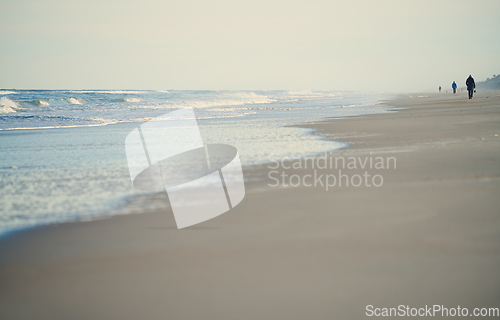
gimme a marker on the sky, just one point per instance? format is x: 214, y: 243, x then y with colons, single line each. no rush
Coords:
x: 383, y: 46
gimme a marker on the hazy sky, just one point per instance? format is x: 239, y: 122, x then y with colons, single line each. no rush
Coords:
x: 323, y: 45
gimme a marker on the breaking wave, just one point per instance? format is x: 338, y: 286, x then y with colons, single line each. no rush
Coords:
x: 73, y: 100
x: 8, y: 106
x: 130, y: 99
x: 61, y: 108
x: 40, y: 103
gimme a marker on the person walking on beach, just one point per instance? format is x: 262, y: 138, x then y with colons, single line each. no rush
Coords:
x: 471, y: 85
x: 439, y: 88
x: 454, y: 87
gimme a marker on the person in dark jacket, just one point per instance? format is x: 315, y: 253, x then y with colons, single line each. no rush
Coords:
x: 454, y: 87
x: 471, y: 85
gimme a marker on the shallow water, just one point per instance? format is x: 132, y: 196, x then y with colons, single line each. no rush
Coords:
x: 62, y: 154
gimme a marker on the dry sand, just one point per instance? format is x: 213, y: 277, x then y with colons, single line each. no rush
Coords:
x: 429, y: 235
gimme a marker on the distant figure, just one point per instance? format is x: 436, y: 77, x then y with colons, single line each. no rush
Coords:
x: 471, y: 85
x: 439, y: 88
x: 454, y: 86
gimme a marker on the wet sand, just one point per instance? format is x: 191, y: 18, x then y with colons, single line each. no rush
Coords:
x: 429, y: 235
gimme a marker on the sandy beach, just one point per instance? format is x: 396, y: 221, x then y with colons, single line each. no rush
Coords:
x: 429, y: 235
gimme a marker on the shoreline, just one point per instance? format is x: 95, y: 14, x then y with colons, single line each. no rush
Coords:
x: 119, y: 202
x: 428, y: 235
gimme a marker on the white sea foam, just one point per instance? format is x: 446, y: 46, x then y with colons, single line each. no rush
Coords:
x: 130, y: 99
x: 8, y: 106
x: 108, y: 91
x: 302, y: 93
x: 73, y: 100
x: 56, y: 122
x: 7, y: 92
x: 309, y: 93
x: 226, y: 99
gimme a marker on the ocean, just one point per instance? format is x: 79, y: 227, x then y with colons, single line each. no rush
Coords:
x: 62, y: 153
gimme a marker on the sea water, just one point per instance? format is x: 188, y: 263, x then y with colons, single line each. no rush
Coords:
x: 62, y: 154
